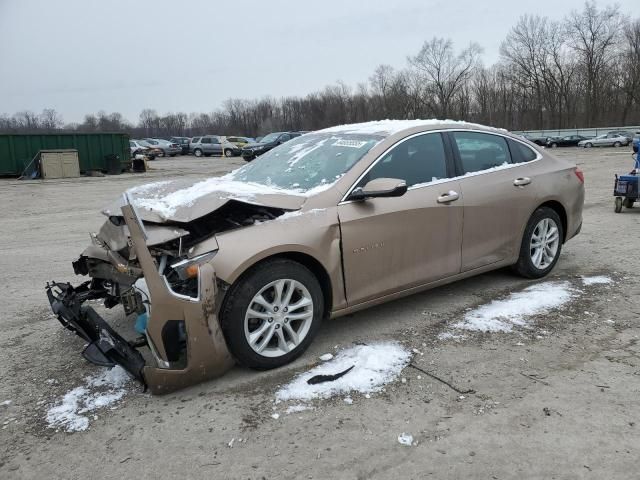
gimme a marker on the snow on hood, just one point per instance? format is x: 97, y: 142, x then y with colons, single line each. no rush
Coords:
x: 183, y: 200
x: 390, y: 127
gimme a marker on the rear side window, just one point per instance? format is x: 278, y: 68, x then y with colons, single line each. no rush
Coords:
x: 205, y: 140
x: 481, y: 151
x: 195, y: 140
x: 521, y: 152
x: 420, y: 159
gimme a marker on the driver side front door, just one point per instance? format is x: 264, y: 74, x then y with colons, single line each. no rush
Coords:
x: 392, y: 244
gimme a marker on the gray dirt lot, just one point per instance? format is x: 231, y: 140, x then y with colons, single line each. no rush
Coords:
x: 557, y: 401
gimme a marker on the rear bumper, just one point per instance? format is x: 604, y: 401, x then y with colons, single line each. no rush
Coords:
x: 183, y: 333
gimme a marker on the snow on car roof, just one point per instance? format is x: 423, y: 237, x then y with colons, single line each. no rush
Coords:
x: 389, y: 127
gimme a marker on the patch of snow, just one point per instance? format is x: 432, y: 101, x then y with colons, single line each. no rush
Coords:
x: 326, y: 357
x: 149, y: 187
x: 297, y: 409
x: 503, y: 315
x: 390, y: 127
x: 375, y: 365
x: 405, y: 439
x: 348, y: 400
x: 597, y: 280
x: 99, y: 391
x: 449, y: 336
x: 275, y: 416
x: 297, y: 213
x: 7, y: 402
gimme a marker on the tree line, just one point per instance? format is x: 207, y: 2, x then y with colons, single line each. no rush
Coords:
x: 579, y: 71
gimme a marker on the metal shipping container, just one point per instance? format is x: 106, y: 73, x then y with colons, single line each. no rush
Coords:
x: 17, y: 150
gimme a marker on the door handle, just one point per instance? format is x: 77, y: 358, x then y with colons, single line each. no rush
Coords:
x: 522, y: 181
x: 448, y: 197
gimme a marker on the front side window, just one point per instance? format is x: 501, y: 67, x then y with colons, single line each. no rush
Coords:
x: 195, y: 140
x: 420, y: 159
x: 205, y: 140
x: 481, y: 151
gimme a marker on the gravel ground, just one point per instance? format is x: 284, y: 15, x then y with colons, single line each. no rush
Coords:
x: 558, y: 400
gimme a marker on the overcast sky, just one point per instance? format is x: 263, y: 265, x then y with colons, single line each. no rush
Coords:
x: 81, y: 56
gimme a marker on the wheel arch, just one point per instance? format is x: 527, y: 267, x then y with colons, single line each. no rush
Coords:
x: 303, y: 258
x: 557, y: 207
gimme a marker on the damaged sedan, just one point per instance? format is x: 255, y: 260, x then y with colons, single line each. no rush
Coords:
x: 243, y: 268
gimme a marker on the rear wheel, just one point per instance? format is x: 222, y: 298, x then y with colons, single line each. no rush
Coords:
x: 228, y: 152
x: 197, y: 152
x: 271, y: 315
x: 618, y: 205
x: 627, y: 203
x: 161, y: 153
x: 554, y: 145
x: 617, y: 144
x: 541, y: 244
x: 588, y: 145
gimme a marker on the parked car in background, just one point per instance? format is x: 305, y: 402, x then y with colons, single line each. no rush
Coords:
x: 138, y: 148
x: 541, y: 141
x: 183, y: 142
x: 624, y: 133
x: 208, y: 145
x: 241, y: 141
x: 568, y: 141
x: 268, y: 142
x: 370, y: 213
x: 167, y: 148
x: 152, y: 150
x: 605, y: 140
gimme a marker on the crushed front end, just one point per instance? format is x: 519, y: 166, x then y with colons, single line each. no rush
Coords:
x: 175, y: 296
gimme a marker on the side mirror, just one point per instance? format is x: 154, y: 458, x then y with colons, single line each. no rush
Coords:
x: 380, y: 187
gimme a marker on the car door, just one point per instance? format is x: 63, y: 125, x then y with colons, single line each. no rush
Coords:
x: 391, y: 244
x: 216, y: 146
x: 498, y: 195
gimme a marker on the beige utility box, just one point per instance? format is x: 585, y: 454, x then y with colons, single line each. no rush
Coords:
x: 59, y: 163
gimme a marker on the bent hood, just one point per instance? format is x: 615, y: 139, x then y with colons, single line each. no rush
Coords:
x: 184, y: 201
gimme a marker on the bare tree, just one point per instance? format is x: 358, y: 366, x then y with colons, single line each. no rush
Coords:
x: 445, y: 71
x: 594, y: 35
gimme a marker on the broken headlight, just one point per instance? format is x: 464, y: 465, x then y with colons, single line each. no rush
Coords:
x: 188, y: 268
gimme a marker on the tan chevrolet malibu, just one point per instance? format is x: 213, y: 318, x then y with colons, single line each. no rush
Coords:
x: 244, y: 267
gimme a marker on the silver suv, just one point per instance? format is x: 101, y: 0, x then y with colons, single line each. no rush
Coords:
x: 213, y: 145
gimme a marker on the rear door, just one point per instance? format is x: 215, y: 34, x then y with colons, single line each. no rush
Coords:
x: 499, y: 192
x: 390, y: 244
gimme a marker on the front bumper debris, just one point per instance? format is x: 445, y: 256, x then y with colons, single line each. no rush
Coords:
x: 106, y: 347
x: 183, y: 333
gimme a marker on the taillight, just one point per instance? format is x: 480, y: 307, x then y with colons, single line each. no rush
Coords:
x: 580, y: 174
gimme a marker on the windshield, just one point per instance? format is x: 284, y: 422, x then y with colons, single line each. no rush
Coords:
x: 272, y: 137
x: 308, y: 161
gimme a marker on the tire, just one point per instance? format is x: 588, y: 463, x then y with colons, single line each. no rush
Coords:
x: 197, y: 152
x: 237, y: 323
x: 527, y: 265
x: 617, y: 144
x: 228, y: 152
x: 627, y: 203
x: 618, y: 205
x: 162, y: 154
x: 173, y: 155
x: 588, y: 145
x: 554, y: 145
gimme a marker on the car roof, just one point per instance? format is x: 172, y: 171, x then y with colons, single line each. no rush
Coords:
x: 390, y: 127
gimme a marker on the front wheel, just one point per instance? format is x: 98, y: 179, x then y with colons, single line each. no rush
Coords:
x: 554, y: 145
x: 228, y: 153
x: 270, y: 316
x: 197, y: 152
x: 541, y: 244
x: 588, y: 145
x: 617, y: 144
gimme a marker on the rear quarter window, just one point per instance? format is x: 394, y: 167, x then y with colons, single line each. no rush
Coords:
x: 481, y: 151
x: 521, y: 152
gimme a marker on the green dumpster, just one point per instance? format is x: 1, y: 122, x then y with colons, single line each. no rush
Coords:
x: 94, y: 150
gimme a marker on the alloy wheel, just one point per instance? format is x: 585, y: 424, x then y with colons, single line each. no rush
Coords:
x: 544, y: 243
x: 278, y: 318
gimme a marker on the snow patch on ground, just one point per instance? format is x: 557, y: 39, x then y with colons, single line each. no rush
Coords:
x: 503, y: 315
x: 405, y: 439
x: 297, y: 409
x: 326, y: 357
x: 597, y: 280
x: 374, y: 366
x: 99, y: 391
